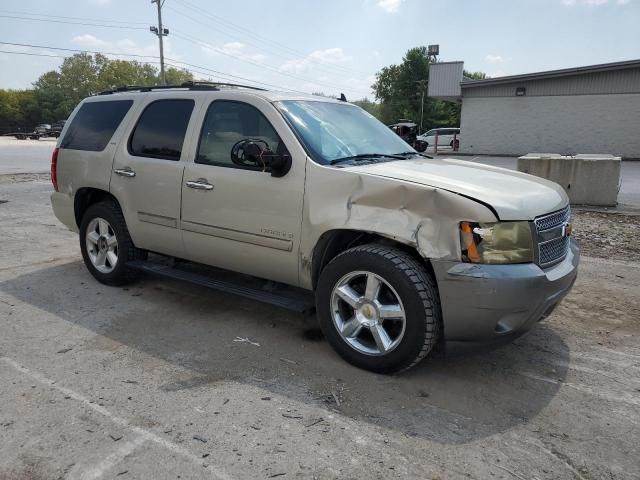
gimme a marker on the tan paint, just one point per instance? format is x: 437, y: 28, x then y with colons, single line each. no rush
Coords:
x: 424, y: 217
x: 253, y: 223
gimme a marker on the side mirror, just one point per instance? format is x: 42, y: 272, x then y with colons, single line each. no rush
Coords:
x: 256, y: 153
x: 278, y: 163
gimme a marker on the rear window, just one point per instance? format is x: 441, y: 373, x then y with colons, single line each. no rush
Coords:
x: 161, y: 129
x: 94, y: 124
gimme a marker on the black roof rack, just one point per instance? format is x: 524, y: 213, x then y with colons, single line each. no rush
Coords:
x: 186, y: 85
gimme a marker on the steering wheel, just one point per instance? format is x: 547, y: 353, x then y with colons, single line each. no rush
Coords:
x: 248, y: 152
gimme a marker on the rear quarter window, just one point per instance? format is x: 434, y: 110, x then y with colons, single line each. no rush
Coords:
x: 94, y: 124
x: 161, y: 129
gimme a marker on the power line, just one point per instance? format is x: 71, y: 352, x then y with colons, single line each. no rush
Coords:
x: 75, y: 50
x: 232, y: 76
x: 66, y: 17
x: 184, y: 37
x: 225, y: 23
x: 32, y: 54
x: 260, y: 46
x: 15, y: 17
x: 261, y: 65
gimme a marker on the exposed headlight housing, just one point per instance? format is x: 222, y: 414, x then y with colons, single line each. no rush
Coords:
x: 497, y: 243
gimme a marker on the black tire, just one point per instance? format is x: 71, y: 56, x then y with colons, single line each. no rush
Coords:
x: 127, y: 251
x: 417, y: 292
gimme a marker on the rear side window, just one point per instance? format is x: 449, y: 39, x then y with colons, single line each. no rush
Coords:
x: 161, y: 129
x: 94, y: 124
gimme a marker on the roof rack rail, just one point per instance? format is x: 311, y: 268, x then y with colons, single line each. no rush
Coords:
x: 191, y: 85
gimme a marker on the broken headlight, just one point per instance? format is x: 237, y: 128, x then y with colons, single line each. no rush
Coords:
x: 497, y: 243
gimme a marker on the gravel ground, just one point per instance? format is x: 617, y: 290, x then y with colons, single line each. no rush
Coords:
x: 604, y: 235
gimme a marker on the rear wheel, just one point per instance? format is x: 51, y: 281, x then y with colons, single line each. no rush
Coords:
x: 106, y: 244
x: 378, y: 308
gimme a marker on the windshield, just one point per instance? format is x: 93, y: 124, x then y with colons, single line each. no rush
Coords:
x: 332, y: 131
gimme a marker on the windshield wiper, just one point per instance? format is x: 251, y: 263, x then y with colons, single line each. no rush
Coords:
x: 415, y: 153
x: 364, y: 156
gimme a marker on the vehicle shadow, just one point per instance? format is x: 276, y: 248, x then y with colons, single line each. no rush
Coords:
x: 448, y: 400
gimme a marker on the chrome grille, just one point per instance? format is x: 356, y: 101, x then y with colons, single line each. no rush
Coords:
x: 553, y: 245
x: 553, y: 219
x: 553, y: 250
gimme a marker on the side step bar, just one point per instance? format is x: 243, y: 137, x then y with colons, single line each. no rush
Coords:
x: 291, y: 298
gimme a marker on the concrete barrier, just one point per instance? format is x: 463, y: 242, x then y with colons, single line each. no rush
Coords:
x: 587, y: 179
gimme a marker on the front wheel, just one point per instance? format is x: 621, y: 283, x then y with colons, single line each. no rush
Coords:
x: 106, y: 244
x: 378, y: 308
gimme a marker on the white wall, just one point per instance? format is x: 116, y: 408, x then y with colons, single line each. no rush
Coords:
x: 554, y: 124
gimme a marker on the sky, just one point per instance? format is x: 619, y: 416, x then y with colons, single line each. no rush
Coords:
x: 329, y: 46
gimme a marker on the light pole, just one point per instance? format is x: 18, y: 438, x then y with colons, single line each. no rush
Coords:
x: 160, y: 32
x: 422, y: 85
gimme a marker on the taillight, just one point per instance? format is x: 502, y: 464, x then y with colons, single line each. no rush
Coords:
x: 54, y: 168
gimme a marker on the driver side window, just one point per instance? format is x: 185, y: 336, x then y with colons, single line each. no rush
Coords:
x: 226, y: 124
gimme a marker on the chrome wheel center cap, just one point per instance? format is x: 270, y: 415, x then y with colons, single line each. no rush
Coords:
x: 102, y: 244
x: 367, y: 314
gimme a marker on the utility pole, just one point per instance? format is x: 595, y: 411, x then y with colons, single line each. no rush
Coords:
x: 160, y: 32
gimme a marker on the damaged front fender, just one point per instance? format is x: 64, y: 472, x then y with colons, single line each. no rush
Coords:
x: 424, y: 217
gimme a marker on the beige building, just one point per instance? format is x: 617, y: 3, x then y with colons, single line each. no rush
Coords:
x: 592, y: 109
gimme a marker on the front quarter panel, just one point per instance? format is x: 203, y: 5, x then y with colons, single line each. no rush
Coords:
x: 424, y: 217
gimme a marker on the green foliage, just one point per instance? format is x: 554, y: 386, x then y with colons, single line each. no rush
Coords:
x: 175, y: 76
x: 371, y: 107
x: 56, y: 93
x: 399, y: 90
x: 17, y: 108
x: 474, y: 75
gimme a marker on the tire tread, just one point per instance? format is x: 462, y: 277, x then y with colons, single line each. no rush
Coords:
x: 423, y: 284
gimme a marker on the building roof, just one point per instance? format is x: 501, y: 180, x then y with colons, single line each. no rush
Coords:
x: 603, y: 67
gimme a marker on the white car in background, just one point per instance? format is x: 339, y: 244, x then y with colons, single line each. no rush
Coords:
x: 447, y: 137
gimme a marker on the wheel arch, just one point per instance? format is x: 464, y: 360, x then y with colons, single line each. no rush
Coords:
x: 333, y: 242
x: 87, y: 196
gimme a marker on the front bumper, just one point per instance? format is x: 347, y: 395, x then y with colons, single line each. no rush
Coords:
x: 489, y: 305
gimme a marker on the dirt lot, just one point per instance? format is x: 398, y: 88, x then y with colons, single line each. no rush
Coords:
x: 605, y: 235
x: 150, y: 381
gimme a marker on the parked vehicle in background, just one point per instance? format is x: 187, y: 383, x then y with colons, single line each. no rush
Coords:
x: 408, y: 131
x: 42, y: 129
x: 402, y: 252
x: 445, y: 137
x: 56, y: 129
x: 24, y: 135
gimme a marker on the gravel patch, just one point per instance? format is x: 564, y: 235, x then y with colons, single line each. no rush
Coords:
x: 610, y: 236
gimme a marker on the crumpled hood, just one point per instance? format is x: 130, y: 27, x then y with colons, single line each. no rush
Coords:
x: 513, y: 195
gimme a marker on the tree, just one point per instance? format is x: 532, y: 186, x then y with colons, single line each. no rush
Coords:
x: 473, y: 75
x: 117, y: 73
x: 371, y: 107
x: 16, y: 110
x: 175, y: 76
x: 399, y: 89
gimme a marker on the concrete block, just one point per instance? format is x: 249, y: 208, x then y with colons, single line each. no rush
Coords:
x: 587, y: 179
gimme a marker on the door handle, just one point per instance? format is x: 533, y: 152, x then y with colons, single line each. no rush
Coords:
x: 125, y: 172
x: 199, y: 184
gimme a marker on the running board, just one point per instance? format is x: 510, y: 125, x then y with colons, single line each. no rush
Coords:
x: 291, y: 298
